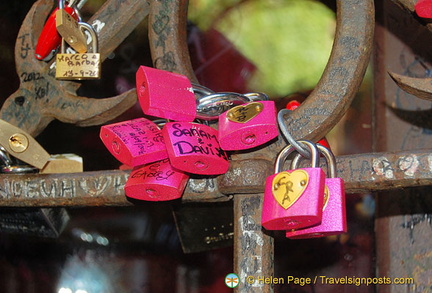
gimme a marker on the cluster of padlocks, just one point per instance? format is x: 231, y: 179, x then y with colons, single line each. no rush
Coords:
x: 75, y: 38
x: 163, y: 153
x: 163, y: 157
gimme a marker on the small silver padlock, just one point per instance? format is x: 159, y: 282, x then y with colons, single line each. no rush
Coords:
x: 79, y: 66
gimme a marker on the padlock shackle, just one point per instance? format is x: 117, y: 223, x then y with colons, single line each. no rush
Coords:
x: 201, y: 90
x: 257, y: 96
x: 5, y: 157
x: 329, y: 156
x: 286, y: 151
x: 209, y: 107
x: 331, y: 160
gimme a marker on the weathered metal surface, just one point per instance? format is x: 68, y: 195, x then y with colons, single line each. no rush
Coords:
x: 103, y: 188
x: 342, y: 77
x: 253, y: 248
x: 362, y: 173
x: 337, y: 86
x: 419, y: 87
x: 402, y: 226
x: 168, y: 37
x: 41, y: 98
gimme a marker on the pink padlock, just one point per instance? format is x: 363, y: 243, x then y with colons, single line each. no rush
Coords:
x: 194, y: 148
x: 165, y: 94
x: 334, y: 208
x: 134, y: 142
x: 157, y: 181
x: 247, y: 126
x: 293, y: 199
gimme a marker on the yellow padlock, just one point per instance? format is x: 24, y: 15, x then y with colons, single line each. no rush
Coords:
x: 69, y: 29
x: 78, y: 66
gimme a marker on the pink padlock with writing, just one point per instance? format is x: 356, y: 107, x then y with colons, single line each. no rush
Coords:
x: 157, y: 181
x: 165, y: 94
x: 293, y: 199
x: 334, y: 208
x: 134, y: 142
x: 247, y: 126
x: 194, y: 148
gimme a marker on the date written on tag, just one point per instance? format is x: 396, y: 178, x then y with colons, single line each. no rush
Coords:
x: 78, y: 66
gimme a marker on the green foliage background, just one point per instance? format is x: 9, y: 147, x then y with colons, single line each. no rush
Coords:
x: 288, y: 40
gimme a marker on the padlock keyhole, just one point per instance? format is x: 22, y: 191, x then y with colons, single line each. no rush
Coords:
x: 290, y: 222
x: 152, y: 192
x: 116, y: 147
x: 200, y: 165
x: 142, y: 89
x: 249, y: 138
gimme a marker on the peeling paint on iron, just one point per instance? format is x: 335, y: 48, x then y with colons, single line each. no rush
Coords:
x: 98, y: 25
x: 409, y: 165
x: 382, y: 167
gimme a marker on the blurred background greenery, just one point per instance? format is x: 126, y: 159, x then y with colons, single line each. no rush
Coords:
x: 290, y: 49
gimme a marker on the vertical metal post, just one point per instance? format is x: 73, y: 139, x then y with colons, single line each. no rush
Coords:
x: 403, y: 232
x: 253, y: 249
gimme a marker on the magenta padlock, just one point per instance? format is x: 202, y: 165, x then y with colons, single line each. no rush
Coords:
x: 194, y: 148
x: 294, y: 199
x: 165, y: 94
x: 134, y: 142
x: 334, y: 208
x: 157, y: 181
x: 247, y: 126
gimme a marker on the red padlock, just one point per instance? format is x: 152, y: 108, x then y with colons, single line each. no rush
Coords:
x: 157, y: 181
x: 165, y: 94
x: 49, y: 39
x: 423, y: 8
x: 134, y: 142
x: 194, y: 148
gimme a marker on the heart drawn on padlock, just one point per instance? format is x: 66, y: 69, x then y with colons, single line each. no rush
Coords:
x: 244, y: 113
x: 326, y: 196
x: 289, y: 187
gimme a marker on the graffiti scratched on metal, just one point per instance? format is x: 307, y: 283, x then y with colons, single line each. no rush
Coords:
x: 41, y: 98
x: 253, y: 249
x: 361, y: 173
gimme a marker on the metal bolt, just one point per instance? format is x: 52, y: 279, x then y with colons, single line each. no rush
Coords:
x: 18, y: 142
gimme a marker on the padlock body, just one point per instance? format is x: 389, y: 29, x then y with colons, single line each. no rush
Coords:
x: 78, y: 66
x: 49, y: 39
x: 261, y: 128
x: 333, y: 216
x: 156, y: 181
x: 134, y: 142
x: 69, y: 29
x: 194, y: 148
x: 305, y: 208
x: 165, y: 94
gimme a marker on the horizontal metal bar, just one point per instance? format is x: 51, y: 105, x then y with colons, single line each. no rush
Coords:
x: 361, y: 172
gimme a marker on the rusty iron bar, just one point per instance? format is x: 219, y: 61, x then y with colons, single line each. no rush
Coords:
x: 168, y: 37
x: 41, y: 98
x: 253, y: 242
x: 334, y: 92
x: 419, y: 87
x: 362, y: 173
